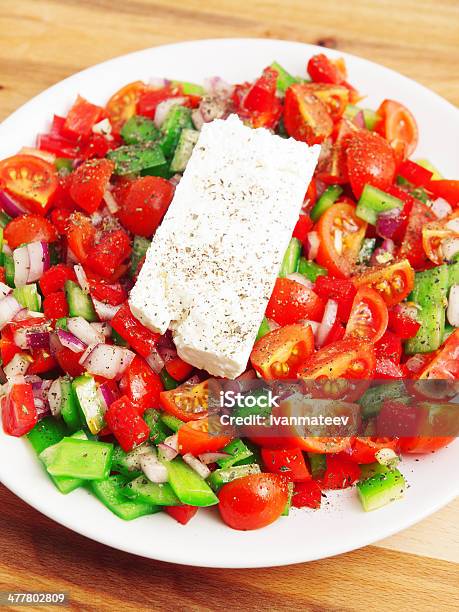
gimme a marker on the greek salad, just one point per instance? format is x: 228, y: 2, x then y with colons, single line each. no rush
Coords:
x: 368, y: 288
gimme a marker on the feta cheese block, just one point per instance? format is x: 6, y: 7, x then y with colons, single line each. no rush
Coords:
x: 213, y: 262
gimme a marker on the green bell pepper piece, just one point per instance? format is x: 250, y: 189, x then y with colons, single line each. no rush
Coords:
x: 28, y: 297
x: 65, y: 484
x: 170, y: 421
x: 374, y: 397
x: 318, y: 464
x: 158, y: 431
x: 76, y: 458
x: 8, y: 262
x: 237, y: 452
x: 169, y: 383
x: 110, y: 493
x: 189, y: 487
x: 46, y: 433
x: 284, y: 78
x: 291, y: 258
x: 134, y: 159
x: 326, y: 200
x: 189, y: 89
x: 310, y: 269
x: 220, y: 477
x: 149, y: 492
x: 4, y: 219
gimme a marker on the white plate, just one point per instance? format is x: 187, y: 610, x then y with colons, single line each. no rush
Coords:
x: 305, y: 535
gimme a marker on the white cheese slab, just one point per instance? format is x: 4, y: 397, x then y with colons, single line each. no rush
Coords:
x: 213, y: 262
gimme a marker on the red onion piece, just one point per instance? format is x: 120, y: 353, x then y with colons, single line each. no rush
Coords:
x: 9, y: 308
x: 388, y: 245
x: 272, y: 324
x: 328, y: 320
x: 110, y: 201
x: 155, y: 361
x: 106, y: 360
x: 152, y: 468
x: 312, y: 245
x: 299, y: 278
x: 167, y: 354
x: 37, y: 260
x: 359, y: 120
x: 18, y: 366
x: 81, y: 277
x: 42, y: 408
x: 441, y: 208
x: 212, y: 457
x: 10, y: 205
x: 164, y: 107
x: 38, y: 339
x: 55, y: 397
x: 105, y: 312
x: 313, y: 324
x: 70, y: 341
x: 83, y: 330
x: 166, y: 340
x: 200, y: 468
x: 102, y: 328
x: 4, y: 290
x: 388, y: 223
x: 218, y: 86
x: 167, y: 452
x: 197, y: 118
x: 109, y: 393
x: 21, y: 266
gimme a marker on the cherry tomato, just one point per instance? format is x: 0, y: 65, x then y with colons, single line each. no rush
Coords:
x: 423, y: 444
x: 323, y: 70
x: 31, y: 179
x: 259, y: 102
x: 144, y: 204
x: 393, y: 283
x: 287, y: 462
x: 141, y: 385
x: 107, y: 255
x: 335, y: 98
x: 340, y: 473
x: 142, y: 339
x: 389, y: 347
x: 369, y: 316
x: 436, y: 235
x: 89, y: 182
x: 80, y: 236
x: 349, y: 358
x: 187, y: 402
x: 42, y: 362
x: 302, y: 228
x: 445, y: 365
x: 80, y: 119
x: 253, y: 501
x: 69, y: 361
x: 194, y: 438
x: 412, y: 248
x: 398, y: 126
x: 29, y: 228
x: 332, y: 165
x: 306, y: 117
x: 340, y: 290
x: 370, y: 160
x: 107, y: 292
x: 363, y: 449
x: 307, y: 495
x: 122, y: 105
x: 291, y: 302
x: 279, y: 353
x: 341, y: 233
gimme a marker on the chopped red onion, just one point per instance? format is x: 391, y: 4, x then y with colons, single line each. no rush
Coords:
x: 83, y: 330
x: 313, y: 324
x: 247, y: 375
x: 38, y: 260
x: 103, y: 127
x: 388, y: 223
x: 453, y: 224
x: 272, y: 324
x: 55, y: 344
x: 453, y: 306
x: 105, y: 312
x: 441, y: 208
x: 299, y: 278
x: 107, y: 360
x: 102, y: 328
x: 155, y: 361
x: 218, y: 86
x: 415, y: 363
x: 166, y: 340
x: 9, y: 308
x: 212, y: 457
x: 153, y: 469
x: 196, y: 465
x: 18, y: 366
x: 70, y: 341
x: 164, y: 107
x: 359, y: 119
x: 10, y: 205
x: 108, y: 393
x: 4, y: 290
x: 110, y: 202
x: 21, y: 266
x: 167, y: 354
x: 193, y: 380
x: 81, y: 277
x: 167, y: 452
x: 38, y: 339
x: 449, y: 248
x: 42, y: 408
x: 312, y: 245
x: 55, y: 397
x: 328, y: 320
x: 197, y: 118
x: 388, y: 245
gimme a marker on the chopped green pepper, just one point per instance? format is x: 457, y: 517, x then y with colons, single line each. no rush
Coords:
x: 110, y: 493
x: 291, y: 258
x: 284, y: 78
x: 76, y: 458
x: 170, y: 421
x: 149, y: 492
x: 220, y: 477
x: 189, y: 487
x: 237, y: 452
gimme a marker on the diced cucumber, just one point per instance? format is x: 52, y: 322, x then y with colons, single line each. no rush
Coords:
x: 149, y: 492
x: 126, y: 463
x: 158, y: 431
x: 291, y: 258
x: 80, y: 304
x: 189, y: 89
x: 373, y: 202
x: 381, y: 489
x: 374, y: 397
x: 139, y: 130
x: 8, y: 262
x: 189, y: 487
x: 178, y: 118
x: 220, y: 477
x: 188, y: 139
x: 366, y: 250
x: 139, y: 250
x: 89, y: 402
x: 70, y: 408
x: 264, y: 329
x: 326, y: 200
x: 46, y: 432
x: 28, y: 297
x: 134, y: 159
x: 318, y: 464
x: 110, y: 493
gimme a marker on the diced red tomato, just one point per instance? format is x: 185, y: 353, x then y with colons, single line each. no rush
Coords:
x: 109, y: 253
x: 398, y: 126
x: 335, y: 98
x: 42, y: 362
x: 336, y: 333
x: 445, y: 364
x: 144, y: 204
x: 29, y: 228
x: 341, y: 290
x: 194, y: 438
x: 69, y: 361
x: 323, y: 70
x: 369, y: 316
x: 291, y: 302
x: 141, y: 385
x: 19, y: 414
x: 97, y: 146
x: 54, y: 279
x: 259, y: 102
x: 253, y: 501
x: 363, y: 449
x: 281, y: 352
x: 302, y: 228
x: 178, y: 369
x: 340, y: 473
x: 390, y: 347
x: 287, y: 462
x: 307, y: 495
x: 188, y: 403
x: 55, y: 305
x: 414, y: 173
x: 332, y: 167
x: 446, y: 189
x: 306, y: 118
x: 122, y: 105
x: 150, y: 98
x: 80, y: 119
x: 126, y: 425
x: 131, y: 329
x: 30, y: 179
x: 80, y: 236
x: 370, y: 160
x: 107, y: 292
x: 182, y: 514
x: 412, y: 248
x: 402, y: 322
x: 61, y: 147
x: 89, y: 182
x: 8, y: 348
x: 61, y: 219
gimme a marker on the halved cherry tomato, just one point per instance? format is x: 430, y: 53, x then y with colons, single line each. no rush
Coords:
x: 253, y: 501
x: 412, y: 248
x: 370, y: 160
x: 80, y: 235
x: 340, y: 290
x: 19, y: 414
x: 279, y: 353
x: 349, y: 358
x: 363, y: 449
x: 323, y: 70
x: 335, y: 97
x: 447, y: 189
x: 178, y: 369
x: 389, y: 347
x: 80, y: 119
x: 31, y: 179
x: 288, y: 462
x: 339, y: 474
x: 402, y: 320
x: 306, y: 117
x: 259, y: 101
x: 141, y: 385
x: 29, y: 228
x: 194, y: 438
x: 423, y: 444
x: 122, y: 105
x: 398, y: 126
x: 445, y: 365
x: 142, y: 339
x: 186, y: 402
x: 291, y: 302
x: 307, y: 495
x: 89, y: 182
x: 438, y: 234
x: 332, y: 167
x: 107, y: 255
x: 369, y: 316
x: 393, y: 282
x: 143, y: 205
x: 8, y: 348
x: 341, y: 233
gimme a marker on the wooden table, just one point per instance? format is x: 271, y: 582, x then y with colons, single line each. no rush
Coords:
x: 42, y: 42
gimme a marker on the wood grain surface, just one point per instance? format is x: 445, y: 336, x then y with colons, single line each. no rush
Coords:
x: 41, y: 42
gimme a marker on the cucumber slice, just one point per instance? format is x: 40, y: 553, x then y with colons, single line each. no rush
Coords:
x: 188, y: 139
x: 80, y: 304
